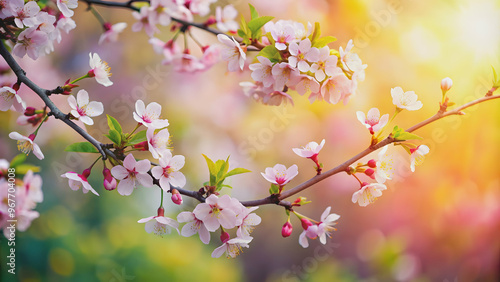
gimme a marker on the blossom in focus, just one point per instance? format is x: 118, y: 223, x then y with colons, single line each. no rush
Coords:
x: 8, y: 98
x: 131, y: 173
x: 368, y: 193
x: 417, y: 156
x: 193, y: 225
x: 225, y: 18
x: 149, y: 116
x: 279, y: 174
x: 405, y: 100
x: 27, y: 144
x: 232, y: 52
x: 232, y: 247
x: 84, y: 110
x: 111, y: 32
x: 372, y: 120
x: 168, y: 172
x: 77, y: 181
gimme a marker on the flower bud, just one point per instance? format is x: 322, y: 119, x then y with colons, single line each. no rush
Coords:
x: 176, y: 197
x: 109, y: 181
x: 446, y: 84
x: 369, y: 172
x: 372, y: 163
x: 29, y: 111
x: 287, y: 229
x: 305, y: 223
x: 224, y: 237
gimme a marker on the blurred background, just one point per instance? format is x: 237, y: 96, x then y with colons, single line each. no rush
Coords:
x: 441, y: 223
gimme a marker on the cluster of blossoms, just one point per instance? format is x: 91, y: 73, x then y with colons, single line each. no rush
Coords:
x: 38, y: 25
x: 18, y: 199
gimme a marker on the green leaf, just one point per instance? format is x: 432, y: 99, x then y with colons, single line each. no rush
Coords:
x: 82, y: 147
x: 274, y: 189
x: 114, y: 136
x: 253, y: 12
x: 137, y: 138
x: 17, y: 160
x: 271, y: 53
x: 114, y: 124
x: 256, y: 24
x: 323, y: 41
x: 24, y: 168
x: 236, y: 171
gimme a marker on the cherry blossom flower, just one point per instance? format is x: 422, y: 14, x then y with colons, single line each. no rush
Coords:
x: 193, y: 225
x: 446, y: 84
x: 310, y: 151
x: 130, y: 173
x: 9, y: 98
x: 159, y: 224
x: 100, y: 70
x: 384, y: 166
x: 77, y: 181
x: 168, y: 172
x: 22, y: 11
x: 84, y: 110
x: 405, y: 100
x: 248, y: 223
x: 326, y: 64
x: 111, y: 32
x: 321, y: 230
x: 149, y: 116
x: 225, y: 18
x: 352, y: 62
x: 302, y: 54
x: 143, y: 21
x: 372, y: 120
x: 27, y: 144
x: 279, y: 174
x: 417, y: 156
x: 232, y: 247
x: 232, y: 52
x: 157, y: 142
x: 65, y: 6
x: 30, y: 41
x: 216, y: 212
x: 262, y: 71
x: 368, y: 193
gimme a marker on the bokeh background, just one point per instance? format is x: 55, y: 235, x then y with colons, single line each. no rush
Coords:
x: 441, y: 223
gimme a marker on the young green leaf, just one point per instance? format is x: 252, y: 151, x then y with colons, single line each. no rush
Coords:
x: 114, y: 136
x: 17, y: 160
x: 137, y: 138
x: 114, y: 124
x: 81, y: 147
x: 271, y: 53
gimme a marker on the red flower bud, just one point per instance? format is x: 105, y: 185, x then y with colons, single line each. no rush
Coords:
x: 287, y: 229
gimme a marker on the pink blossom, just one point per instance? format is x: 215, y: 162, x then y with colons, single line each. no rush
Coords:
x: 225, y: 18
x: 372, y: 120
x: 22, y: 11
x: 249, y: 221
x: 405, y: 100
x: 326, y: 64
x: 30, y: 41
x: 216, y: 212
x: 168, y: 172
x: 9, y: 98
x: 232, y: 247
x: 368, y: 193
x: 193, y: 225
x: 26, y: 144
x: 262, y: 71
x: 157, y: 142
x: 302, y: 55
x: 130, y: 173
x: 65, y: 6
x: 149, y: 116
x: 279, y: 174
x: 311, y: 150
x: 84, y: 110
x: 111, y: 32
x: 417, y: 156
x: 232, y: 52
x: 100, y: 70
x: 77, y: 181
x: 159, y: 225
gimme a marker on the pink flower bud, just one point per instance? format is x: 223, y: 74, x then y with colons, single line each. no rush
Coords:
x: 446, y: 84
x: 29, y: 111
x: 369, y: 172
x: 224, y: 237
x: 372, y: 163
x: 287, y: 229
x: 176, y: 197
x: 305, y: 223
x: 109, y: 181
